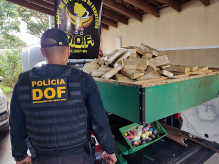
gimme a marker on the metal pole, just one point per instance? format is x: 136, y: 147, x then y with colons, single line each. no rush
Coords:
x: 50, y: 22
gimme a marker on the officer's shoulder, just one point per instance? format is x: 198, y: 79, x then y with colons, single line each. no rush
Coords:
x: 23, y: 77
x: 85, y: 75
x: 24, y: 74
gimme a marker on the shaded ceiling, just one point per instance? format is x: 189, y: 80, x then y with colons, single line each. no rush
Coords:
x: 115, y: 11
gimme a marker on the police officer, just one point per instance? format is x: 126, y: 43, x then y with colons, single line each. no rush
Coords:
x: 54, y: 107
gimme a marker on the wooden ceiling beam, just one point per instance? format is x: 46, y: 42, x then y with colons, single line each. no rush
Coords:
x: 109, y: 22
x: 33, y: 7
x: 175, y: 4
x: 205, y: 2
x: 145, y: 7
x: 122, y: 9
x: 104, y: 26
x: 110, y: 14
x: 42, y: 4
x: 50, y: 1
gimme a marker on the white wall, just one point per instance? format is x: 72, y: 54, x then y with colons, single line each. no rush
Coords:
x: 195, y: 25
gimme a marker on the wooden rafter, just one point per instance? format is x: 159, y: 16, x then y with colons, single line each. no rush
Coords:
x: 113, y: 11
x: 205, y: 2
x: 50, y: 1
x: 32, y: 6
x: 42, y: 4
x: 104, y: 26
x: 175, y: 4
x: 110, y: 14
x: 122, y: 9
x: 144, y: 6
x: 109, y: 21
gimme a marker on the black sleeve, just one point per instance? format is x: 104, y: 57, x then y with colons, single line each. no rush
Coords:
x: 17, y: 129
x: 98, y: 117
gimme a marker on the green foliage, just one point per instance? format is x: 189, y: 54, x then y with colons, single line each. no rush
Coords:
x: 36, y: 22
x: 9, y: 24
x: 10, y: 66
x: 11, y: 42
x: 5, y: 89
x: 11, y: 16
x: 8, y: 18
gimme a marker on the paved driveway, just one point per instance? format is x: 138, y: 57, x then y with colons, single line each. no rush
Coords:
x: 5, y: 149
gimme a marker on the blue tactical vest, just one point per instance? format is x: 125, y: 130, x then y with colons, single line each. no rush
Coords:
x: 55, y: 112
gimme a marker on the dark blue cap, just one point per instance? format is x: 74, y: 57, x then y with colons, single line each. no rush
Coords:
x: 58, y: 35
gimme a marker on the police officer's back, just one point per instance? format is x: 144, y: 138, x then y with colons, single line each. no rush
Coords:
x: 55, y: 107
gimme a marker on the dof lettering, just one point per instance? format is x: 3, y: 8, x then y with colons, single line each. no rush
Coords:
x: 48, y: 93
x: 79, y: 41
x: 45, y: 89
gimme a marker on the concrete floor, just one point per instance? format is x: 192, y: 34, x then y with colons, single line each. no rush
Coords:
x: 5, y: 149
x: 6, y: 158
x: 213, y: 160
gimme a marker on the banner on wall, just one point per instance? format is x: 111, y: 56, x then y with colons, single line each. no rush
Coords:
x: 81, y: 21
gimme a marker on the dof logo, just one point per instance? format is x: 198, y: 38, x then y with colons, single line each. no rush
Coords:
x: 49, y: 90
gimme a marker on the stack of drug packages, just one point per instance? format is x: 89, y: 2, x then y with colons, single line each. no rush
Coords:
x: 133, y: 64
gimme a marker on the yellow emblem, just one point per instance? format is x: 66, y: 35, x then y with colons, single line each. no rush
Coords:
x: 81, y: 18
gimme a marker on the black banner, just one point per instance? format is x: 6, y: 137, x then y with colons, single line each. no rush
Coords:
x: 81, y: 21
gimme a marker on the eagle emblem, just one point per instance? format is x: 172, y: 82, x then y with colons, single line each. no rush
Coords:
x: 81, y: 18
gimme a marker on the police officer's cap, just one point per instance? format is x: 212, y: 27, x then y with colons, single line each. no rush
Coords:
x: 58, y: 35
